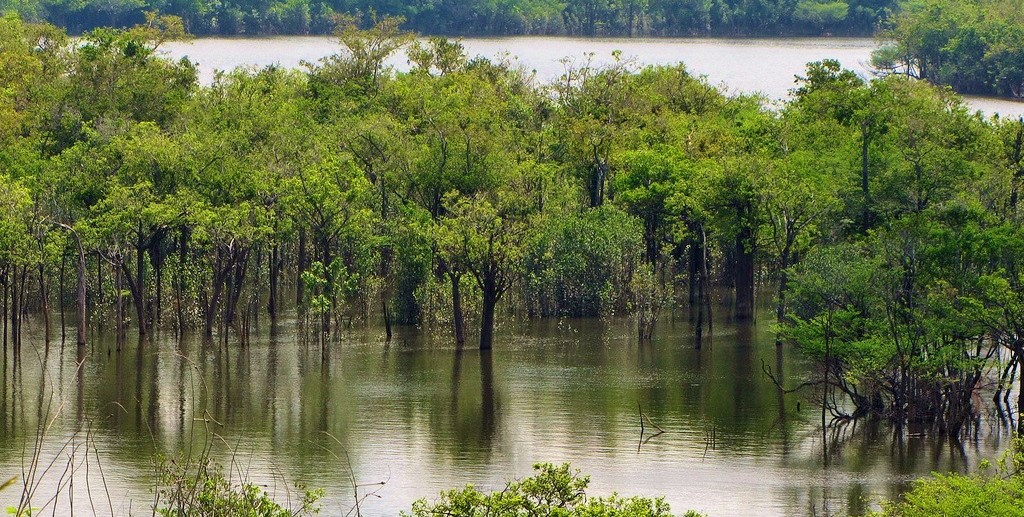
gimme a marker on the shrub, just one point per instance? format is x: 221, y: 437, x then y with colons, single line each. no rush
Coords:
x: 201, y: 489
x: 582, y: 264
x: 982, y: 494
x: 553, y: 491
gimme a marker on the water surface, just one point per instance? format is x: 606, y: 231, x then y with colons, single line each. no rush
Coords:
x: 422, y: 417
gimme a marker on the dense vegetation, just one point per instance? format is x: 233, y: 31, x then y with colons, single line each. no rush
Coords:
x: 575, y: 17
x: 883, y: 216
x: 200, y: 488
x: 975, y: 46
x: 994, y: 491
x: 553, y: 490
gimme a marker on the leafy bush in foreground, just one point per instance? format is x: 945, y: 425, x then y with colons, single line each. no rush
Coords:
x: 553, y: 491
x: 201, y: 489
x: 960, y: 495
x: 983, y: 494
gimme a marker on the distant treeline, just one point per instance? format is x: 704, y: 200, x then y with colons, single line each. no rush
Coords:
x: 481, y: 17
x: 974, y: 46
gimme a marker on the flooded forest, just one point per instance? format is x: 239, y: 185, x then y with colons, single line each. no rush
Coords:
x: 382, y: 283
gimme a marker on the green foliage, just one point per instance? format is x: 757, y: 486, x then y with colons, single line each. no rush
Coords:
x: 331, y: 286
x: 649, y: 295
x: 200, y: 488
x: 891, y: 304
x: 577, y: 17
x: 975, y: 46
x: 15, y: 243
x: 582, y: 265
x: 119, y: 73
x: 25, y: 512
x: 821, y: 13
x: 954, y: 494
x: 647, y: 180
x: 980, y: 494
x: 901, y: 307
x: 553, y: 490
x: 361, y: 66
x: 887, y: 216
x: 439, y: 54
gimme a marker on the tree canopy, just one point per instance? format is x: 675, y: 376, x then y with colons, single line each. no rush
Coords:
x: 475, y: 17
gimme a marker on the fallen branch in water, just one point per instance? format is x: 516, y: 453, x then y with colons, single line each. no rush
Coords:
x: 778, y: 384
x: 642, y: 429
x: 710, y: 439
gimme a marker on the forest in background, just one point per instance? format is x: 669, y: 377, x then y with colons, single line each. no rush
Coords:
x: 976, y: 47
x: 480, y: 17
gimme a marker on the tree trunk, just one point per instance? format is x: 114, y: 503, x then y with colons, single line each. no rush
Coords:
x: 219, y: 277
x: 598, y: 172
x: 60, y: 294
x: 99, y: 280
x: 1020, y: 389
x: 693, y: 270
x: 140, y: 288
x: 22, y: 309
x: 136, y: 286
x: 119, y: 304
x: 300, y: 286
x: 651, y: 240
x: 744, y: 275
x: 274, y: 264
x: 156, y: 255
x: 241, y: 260
x: 780, y: 308
x: 158, y: 274
x: 6, y: 279
x: 700, y: 281
x: 865, y: 187
x: 705, y: 282
x: 179, y: 288
x: 15, y: 313
x: 385, y: 274
x: 80, y: 274
x: 44, y: 304
x: 457, y: 316
x: 490, y: 301
x: 228, y: 317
